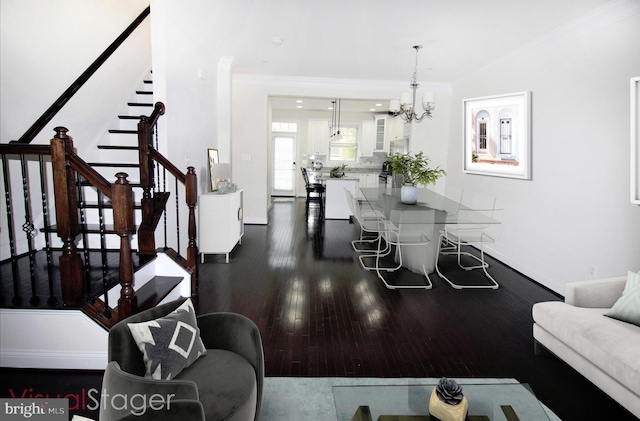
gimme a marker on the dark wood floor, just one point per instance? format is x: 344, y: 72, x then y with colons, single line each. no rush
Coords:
x: 321, y: 314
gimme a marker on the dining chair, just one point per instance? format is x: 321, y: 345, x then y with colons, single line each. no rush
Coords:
x: 369, y: 221
x: 407, y: 228
x: 315, y: 191
x: 372, y: 226
x: 478, y: 222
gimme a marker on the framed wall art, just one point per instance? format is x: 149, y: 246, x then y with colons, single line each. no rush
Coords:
x: 635, y: 140
x: 214, y: 158
x: 497, y: 135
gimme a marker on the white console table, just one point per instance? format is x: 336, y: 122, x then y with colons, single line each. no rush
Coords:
x: 221, y: 224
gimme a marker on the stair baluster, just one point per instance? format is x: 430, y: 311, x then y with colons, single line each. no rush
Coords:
x: 17, y: 299
x: 29, y: 229
x: 85, y: 240
x: 53, y: 300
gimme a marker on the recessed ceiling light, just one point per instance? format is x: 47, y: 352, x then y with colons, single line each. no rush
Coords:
x: 299, y: 106
x: 329, y: 108
x: 378, y: 105
x: 372, y: 109
x: 299, y: 101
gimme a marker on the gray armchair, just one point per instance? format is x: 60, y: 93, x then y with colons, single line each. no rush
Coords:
x: 224, y: 384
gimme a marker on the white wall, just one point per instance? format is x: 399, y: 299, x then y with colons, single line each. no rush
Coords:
x: 575, y: 211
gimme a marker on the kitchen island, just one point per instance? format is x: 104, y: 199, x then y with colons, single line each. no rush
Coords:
x: 336, y: 205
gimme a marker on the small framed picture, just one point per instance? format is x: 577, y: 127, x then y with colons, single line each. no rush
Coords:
x: 214, y: 158
x: 497, y: 135
x: 635, y: 140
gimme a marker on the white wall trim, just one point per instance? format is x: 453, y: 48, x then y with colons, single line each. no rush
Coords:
x: 224, y: 107
x: 58, y: 339
x: 29, y: 358
x: 378, y: 86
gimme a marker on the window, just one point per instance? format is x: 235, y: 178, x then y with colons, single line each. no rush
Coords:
x: 345, y: 149
x: 284, y: 127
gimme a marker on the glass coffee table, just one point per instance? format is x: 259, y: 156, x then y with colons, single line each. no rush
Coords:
x: 499, y: 401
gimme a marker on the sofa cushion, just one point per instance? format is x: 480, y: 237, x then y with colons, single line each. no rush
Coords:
x: 226, y: 384
x: 627, y: 308
x: 609, y: 344
x: 169, y: 343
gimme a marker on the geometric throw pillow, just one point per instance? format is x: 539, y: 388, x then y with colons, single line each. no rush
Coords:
x: 169, y: 344
x: 627, y: 308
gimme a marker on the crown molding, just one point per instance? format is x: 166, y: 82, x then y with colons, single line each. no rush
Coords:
x: 328, y: 83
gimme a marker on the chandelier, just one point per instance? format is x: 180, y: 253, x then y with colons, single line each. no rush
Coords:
x: 406, y: 107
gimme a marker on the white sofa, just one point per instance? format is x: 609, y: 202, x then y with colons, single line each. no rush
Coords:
x: 604, y: 350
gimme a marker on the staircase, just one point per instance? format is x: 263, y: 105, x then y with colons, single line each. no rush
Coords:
x: 106, y: 265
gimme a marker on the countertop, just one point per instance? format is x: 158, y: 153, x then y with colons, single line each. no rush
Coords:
x: 337, y: 179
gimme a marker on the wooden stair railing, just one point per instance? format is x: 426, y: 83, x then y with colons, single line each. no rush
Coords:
x: 66, y: 165
x: 154, y: 205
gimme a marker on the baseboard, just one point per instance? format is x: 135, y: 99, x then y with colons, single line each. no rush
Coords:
x: 29, y: 358
x: 57, y: 339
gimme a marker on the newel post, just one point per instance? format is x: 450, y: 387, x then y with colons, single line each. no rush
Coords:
x: 66, y: 200
x: 146, y: 235
x: 122, y: 198
x: 191, y: 189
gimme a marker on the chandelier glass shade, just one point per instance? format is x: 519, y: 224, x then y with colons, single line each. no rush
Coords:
x: 406, y: 106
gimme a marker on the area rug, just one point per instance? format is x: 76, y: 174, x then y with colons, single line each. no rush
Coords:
x: 305, y: 398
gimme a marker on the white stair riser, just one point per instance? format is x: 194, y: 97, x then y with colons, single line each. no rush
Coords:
x: 128, y: 124
x: 137, y: 111
x: 119, y: 155
x: 143, y: 98
x: 123, y: 139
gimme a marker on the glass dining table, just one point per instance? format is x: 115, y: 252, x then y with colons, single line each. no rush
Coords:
x: 432, y: 212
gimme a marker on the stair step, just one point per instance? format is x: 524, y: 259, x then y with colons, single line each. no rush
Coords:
x: 118, y: 131
x: 123, y: 148
x: 144, y: 92
x: 128, y: 117
x: 154, y: 291
x: 113, y: 164
x: 140, y: 104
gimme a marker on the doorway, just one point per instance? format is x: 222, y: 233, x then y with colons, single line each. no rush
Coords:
x: 284, y: 164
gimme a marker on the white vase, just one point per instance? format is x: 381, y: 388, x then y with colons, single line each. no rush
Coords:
x: 409, y: 194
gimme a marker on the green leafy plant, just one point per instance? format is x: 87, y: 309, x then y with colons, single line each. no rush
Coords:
x: 415, y: 169
x: 337, y: 172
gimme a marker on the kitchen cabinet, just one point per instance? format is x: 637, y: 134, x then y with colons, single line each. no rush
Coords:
x: 382, y: 139
x: 336, y: 205
x: 398, y: 133
x: 318, y: 137
x: 395, y: 129
x: 221, y: 223
x: 365, y: 179
x: 367, y: 138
